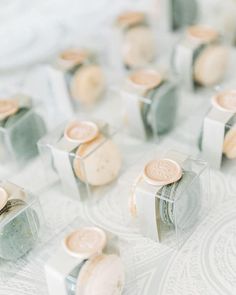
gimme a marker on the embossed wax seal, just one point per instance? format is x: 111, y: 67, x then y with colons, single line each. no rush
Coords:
x: 85, y: 242
x: 147, y: 79
x: 81, y: 131
x: 3, y: 198
x: 202, y: 34
x: 225, y: 101
x: 130, y: 18
x: 8, y: 107
x: 162, y: 172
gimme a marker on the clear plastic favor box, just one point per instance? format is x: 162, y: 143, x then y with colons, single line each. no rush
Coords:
x: 20, y: 129
x: 133, y: 42
x: 149, y: 113
x: 200, y: 57
x: 84, y: 168
x: 167, y: 213
x: 85, y: 258
x: 217, y: 138
x: 77, y: 80
x: 21, y: 227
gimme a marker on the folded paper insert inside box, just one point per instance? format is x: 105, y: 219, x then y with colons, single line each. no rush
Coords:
x: 77, y: 77
x: 200, y: 58
x: 218, y: 136
x: 84, y: 155
x: 168, y: 198
x: 150, y: 102
x: 21, y: 126
x: 21, y: 224
x: 87, y: 262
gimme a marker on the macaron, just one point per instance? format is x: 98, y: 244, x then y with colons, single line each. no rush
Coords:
x: 3, y: 198
x: 97, y: 162
x: 138, y: 46
x: 88, y: 84
x: 27, y: 127
x: 183, y: 13
x: 229, y: 147
x: 20, y: 233
x: 210, y: 65
x: 8, y: 107
x: 184, y: 202
x: 101, y: 275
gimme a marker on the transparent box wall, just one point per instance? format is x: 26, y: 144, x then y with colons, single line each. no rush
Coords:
x: 21, y: 228
x: 151, y: 116
x: 55, y: 255
x: 170, y: 213
x: 19, y: 136
x: 84, y: 170
x: 133, y: 44
x: 77, y: 85
x: 220, y: 147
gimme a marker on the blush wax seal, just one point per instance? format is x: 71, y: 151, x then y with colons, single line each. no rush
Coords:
x: 162, y: 172
x: 85, y: 242
x: 145, y: 78
x: 72, y: 57
x: 130, y: 18
x: 225, y: 101
x: 8, y: 107
x: 202, y: 34
x: 81, y: 131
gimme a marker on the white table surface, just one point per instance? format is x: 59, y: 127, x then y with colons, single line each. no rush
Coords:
x: 32, y: 31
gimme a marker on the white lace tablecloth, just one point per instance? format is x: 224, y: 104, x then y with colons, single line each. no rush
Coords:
x: 31, y: 31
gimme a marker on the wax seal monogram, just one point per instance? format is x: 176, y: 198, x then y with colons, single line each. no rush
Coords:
x: 146, y: 78
x: 225, y: 101
x: 8, y: 107
x: 162, y: 172
x: 81, y: 131
x: 85, y: 242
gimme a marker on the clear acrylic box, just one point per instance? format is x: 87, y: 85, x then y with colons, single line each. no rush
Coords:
x: 84, y: 169
x: 167, y: 213
x: 200, y: 57
x: 217, y: 138
x: 19, y: 131
x: 149, y: 111
x: 133, y: 42
x: 106, y: 262
x: 21, y: 227
x: 77, y: 79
